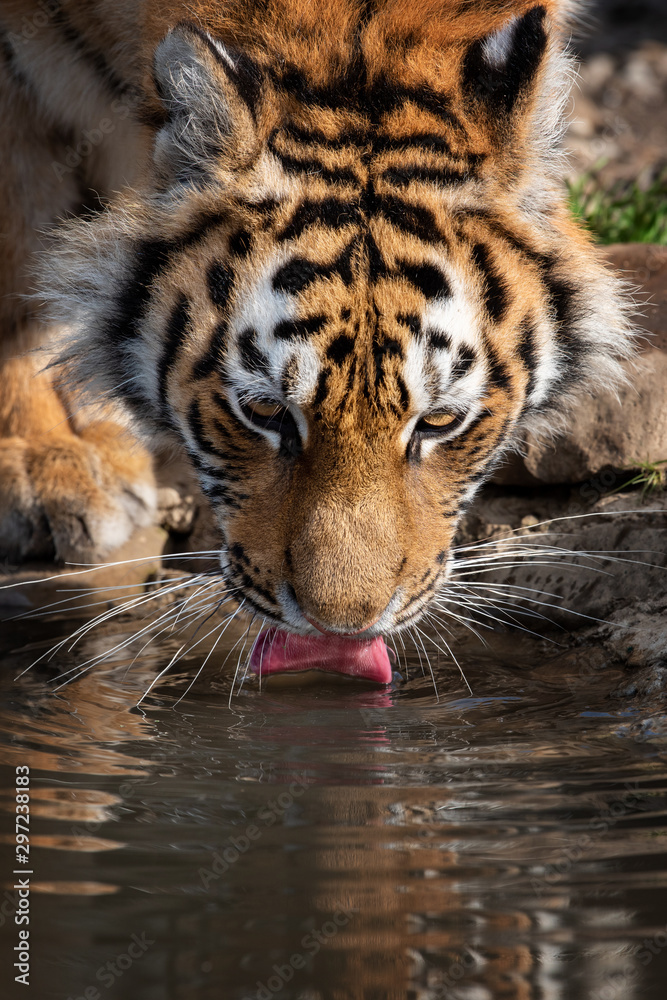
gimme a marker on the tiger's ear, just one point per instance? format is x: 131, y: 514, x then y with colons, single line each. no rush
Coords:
x: 210, y: 94
x: 500, y: 70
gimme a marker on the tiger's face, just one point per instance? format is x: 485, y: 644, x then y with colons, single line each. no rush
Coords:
x: 354, y: 408
x: 360, y: 282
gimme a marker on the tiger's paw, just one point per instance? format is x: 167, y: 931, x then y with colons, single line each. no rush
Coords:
x: 72, y: 497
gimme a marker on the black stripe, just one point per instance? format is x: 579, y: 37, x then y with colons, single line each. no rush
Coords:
x: 240, y: 243
x: 196, y: 425
x: 220, y: 280
x: 210, y: 361
x: 252, y: 358
x: 561, y: 295
x: 386, y: 95
x: 332, y: 212
x: 403, y: 392
x: 295, y: 276
x: 220, y: 493
x: 495, y: 226
x: 249, y: 584
x: 215, y: 471
x: 240, y: 430
x: 475, y: 424
x: 495, y: 289
x: 247, y: 77
x: 562, y: 298
x: 412, y: 321
x: 498, y: 374
x: 383, y: 350
x: 252, y: 605
x: 322, y: 387
x: 561, y: 292
x: 349, y: 91
x: 376, y: 264
x: 351, y: 376
x: 427, y: 279
x: 416, y: 220
x: 288, y: 329
x: 464, y: 361
x: 313, y: 167
x: 151, y: 257
x: 340, y: 349
x: 389, y: 346
x: 233, y: 449
x: 439, y: 341
x: 402, y: 176
x: 314, y: 137
x: 418, y: 597
x: 175, y: 334
x: 528, y: 355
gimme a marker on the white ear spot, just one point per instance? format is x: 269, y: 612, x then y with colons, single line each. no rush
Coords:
x: 497, y: 47
x: 222, y: 52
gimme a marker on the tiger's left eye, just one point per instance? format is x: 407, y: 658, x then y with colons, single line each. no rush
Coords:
x: 439, y: 423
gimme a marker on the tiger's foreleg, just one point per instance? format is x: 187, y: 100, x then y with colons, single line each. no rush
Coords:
x: 73, y: 483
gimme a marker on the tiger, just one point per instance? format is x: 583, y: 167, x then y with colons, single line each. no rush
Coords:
x: 321, y: 248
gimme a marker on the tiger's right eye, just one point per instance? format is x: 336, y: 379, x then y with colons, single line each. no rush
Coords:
x: 259, y: 410
x: 439, y: 423
x: 270, y: 416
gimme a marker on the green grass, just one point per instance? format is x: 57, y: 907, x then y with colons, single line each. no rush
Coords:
x: 649, y: 475
x: 625, y: 213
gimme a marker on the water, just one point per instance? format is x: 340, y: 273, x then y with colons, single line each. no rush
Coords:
x: 335, y: 842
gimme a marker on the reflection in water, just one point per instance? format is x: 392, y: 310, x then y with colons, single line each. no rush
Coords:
x: 335, y: 843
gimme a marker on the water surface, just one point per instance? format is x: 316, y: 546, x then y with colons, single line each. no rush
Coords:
x: 335, y: 842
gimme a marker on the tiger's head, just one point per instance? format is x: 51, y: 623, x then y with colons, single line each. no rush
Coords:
x: 350, y: 281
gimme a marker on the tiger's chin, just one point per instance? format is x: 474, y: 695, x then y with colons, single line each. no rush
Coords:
x: 277, y: 651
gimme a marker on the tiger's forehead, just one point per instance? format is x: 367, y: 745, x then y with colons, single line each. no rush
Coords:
x: 332, y: 325
x: 356, y: 272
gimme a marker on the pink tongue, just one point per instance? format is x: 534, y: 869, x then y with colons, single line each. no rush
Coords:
x: 277, y: 652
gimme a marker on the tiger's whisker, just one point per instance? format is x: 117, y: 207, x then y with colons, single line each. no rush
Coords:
x: 417, y: 632
x: 119, y: 646
x: 187, y: 648
x: 451, y: 654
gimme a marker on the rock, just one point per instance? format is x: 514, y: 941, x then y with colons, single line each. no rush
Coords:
x: 638, y: 638
x: 608, y: 563
x: 645, y: 682
x: 607, y: 432
x: 176, y: 512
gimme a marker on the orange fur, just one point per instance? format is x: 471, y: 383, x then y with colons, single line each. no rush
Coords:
x: 400, y: 155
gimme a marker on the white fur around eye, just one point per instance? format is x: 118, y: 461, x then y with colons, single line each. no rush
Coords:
x: 497, y: 47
